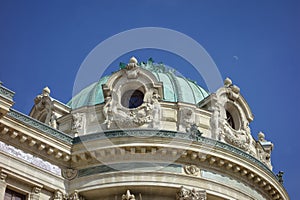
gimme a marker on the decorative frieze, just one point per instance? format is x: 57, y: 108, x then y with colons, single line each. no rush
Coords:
x: 190, y: 194
x: 29, y: 158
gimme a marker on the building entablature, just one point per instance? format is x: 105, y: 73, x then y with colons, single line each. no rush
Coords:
x: 166, y: 148
x: 35, y: 137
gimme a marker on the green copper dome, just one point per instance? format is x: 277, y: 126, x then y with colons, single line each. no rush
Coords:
x: 176, y: 88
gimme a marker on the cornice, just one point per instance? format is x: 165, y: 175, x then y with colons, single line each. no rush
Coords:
x: 8, y: 94
x: 133, y: 145
x: 37, y: 138
x: 40, y: 126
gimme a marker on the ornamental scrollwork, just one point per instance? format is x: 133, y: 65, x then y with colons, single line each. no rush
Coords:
x: 192, y: 170
x: 147, y: 113
x: 239, y: 139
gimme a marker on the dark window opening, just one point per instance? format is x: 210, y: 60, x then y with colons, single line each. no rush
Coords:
x: 230, y: 120
x: 132, y: 99
x: 13, y: 195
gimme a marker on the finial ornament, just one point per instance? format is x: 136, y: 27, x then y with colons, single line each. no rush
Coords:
x: 227, y: 82
x: 261, y: 137
x: 46, y: 91
x: 133, y: 60
x: 133, y: 64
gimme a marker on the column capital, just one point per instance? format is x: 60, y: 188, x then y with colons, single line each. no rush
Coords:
x: 3, y: 176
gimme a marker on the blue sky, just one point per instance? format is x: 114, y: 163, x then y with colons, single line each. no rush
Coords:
x: 255, y: 43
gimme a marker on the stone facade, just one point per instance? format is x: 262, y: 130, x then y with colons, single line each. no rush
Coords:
x: 136, y: 145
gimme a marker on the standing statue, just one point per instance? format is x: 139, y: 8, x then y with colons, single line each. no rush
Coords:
x: 107, y: 111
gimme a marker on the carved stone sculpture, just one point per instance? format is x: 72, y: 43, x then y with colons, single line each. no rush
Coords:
x: 3, y: 176
x: 58, y: 195
x: 128, y: 196
x: 186, y: 119
x: 53, y: 122
x: 215, y: 119
x: 107, y: 111
x: 75, y: 196
x: 280, y: 177
x: 35, y: 193
x: 194, y: 131
x: 192, y: 170
x: 147, y: 113
x: 69, y: 173
x: 239, y: 138
x: 132, y: 68
x: 78, y: 122
x: 153, y: 107
x: 223, y: 104
x: 43, y: 107
x: 193, y: 194
x: 264, y: 150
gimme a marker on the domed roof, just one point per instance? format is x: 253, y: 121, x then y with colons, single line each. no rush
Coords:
x: 176, y: 88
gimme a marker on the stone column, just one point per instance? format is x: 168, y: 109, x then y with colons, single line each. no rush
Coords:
x: 35, y: 193
x: 3, y: 184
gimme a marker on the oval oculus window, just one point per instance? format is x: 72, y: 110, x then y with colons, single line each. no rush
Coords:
x: 132, y: 99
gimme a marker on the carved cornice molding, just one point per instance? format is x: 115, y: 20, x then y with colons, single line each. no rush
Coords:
x: 40, y: 126
x: 173, y: 135
x: 254, y: 173
x: 6, y: 100
x: 35, y: 142
x: 8, y: 94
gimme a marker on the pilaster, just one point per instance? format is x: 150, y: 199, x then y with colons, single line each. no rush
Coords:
x: 3, y: 184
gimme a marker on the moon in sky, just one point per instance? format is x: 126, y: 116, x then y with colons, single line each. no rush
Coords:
x: 236, y: 58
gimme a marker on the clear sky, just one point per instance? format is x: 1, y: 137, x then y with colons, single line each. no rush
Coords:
x: 255, y: 43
